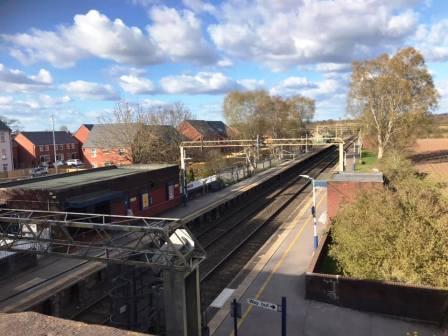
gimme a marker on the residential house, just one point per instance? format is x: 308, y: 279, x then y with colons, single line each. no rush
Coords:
x: 108, y: 144
x: 6, y: 156
x: 82, y: 134
x: 195, y: 130
x: 36, y: 148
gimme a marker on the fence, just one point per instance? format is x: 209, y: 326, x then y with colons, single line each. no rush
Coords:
x: 26, y: 173
x: 415, y: 302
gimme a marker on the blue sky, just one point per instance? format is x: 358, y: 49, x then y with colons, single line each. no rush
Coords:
x: 77, y: 59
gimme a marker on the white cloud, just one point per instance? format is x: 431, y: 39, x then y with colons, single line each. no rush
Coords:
x: 92, y: 34
x: 224, y: 63
x: 136, y: 85
x: 252, y: 84
x: 281, y: 34
x: 442, y: 87
x: 199, y: 6
x: 333, y: 67
x: 16, y: 81
x: 178, y: 34
x: 89, y: 90
x: 5, y: 101
x: 433, y: 41
x: 149, y: 103
x: 292, y: 85
x: 201, y: 83
x: 33, y: 104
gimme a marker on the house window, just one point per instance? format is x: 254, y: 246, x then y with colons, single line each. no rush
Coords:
x: 2, y: 137
x: 44, y: 158
x: 3, y: 154
x: 67, y: 146
x: 73, y: 146
x: 59, y: 157
x: 5, y: 167
x: 41, y: 148
x: 121, y: 152
x: 47, y: 148
x: 74, y: 156
x: 61, y: 147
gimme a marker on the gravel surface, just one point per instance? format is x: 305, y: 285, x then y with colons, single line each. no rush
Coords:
x: 34, y: 324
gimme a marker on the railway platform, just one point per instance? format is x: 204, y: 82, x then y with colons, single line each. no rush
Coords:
x: 199, y: 206
x: 277, y: 270
x: 54, y: 274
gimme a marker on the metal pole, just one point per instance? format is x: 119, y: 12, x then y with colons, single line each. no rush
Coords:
x: 313, y: 211
x: 306, y: 142
x: 235, y: 317
x: 54, y: 144
x: 283, y: 316
x: 183, y: 174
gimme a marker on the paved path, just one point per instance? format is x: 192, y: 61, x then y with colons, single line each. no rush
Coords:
x: 281, y: 273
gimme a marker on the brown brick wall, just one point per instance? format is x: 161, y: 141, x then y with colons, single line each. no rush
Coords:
x: 103, y: 156
x: 340, y: 193
x: 28, y: 154
x: 189, y: 131
x: 82, y: 134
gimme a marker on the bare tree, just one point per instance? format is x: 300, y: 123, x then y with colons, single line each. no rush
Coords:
x: 392, y: 96
x: 255, y: 113
x: 13, y: 124
x: 146, y: 136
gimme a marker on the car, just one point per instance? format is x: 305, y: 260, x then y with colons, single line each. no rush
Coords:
x: 39, y: 171
x: 59, y: 163
x: 73, y: 162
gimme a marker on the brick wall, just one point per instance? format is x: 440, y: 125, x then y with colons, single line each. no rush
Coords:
x: 384, y: 297
x: 82, y: 134
x: 29, y: 154
x: 189, y: 131
x: 102, y: 156
x: 339, y: 193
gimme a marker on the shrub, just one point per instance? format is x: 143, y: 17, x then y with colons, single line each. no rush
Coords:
x: 398, y: 234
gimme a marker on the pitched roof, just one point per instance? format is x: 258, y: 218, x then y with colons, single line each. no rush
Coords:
x: 88, y: 126
x: 211, y: 128
x: 4, y: 127
x: 119, y: 135
x: 46, y: 137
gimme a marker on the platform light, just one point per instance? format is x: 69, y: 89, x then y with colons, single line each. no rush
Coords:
x: 313, y: 211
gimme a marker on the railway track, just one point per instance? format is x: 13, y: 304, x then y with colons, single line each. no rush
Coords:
x: 232, y: 243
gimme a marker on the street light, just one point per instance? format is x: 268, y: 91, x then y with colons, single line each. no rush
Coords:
x: 313, y: 210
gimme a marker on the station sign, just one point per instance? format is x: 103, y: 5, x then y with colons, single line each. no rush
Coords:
x: 263, y: 304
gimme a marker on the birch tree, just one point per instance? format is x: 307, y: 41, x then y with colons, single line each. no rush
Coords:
x: 393, y: 96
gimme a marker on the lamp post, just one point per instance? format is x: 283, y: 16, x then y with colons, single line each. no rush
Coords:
x: 313, y: 211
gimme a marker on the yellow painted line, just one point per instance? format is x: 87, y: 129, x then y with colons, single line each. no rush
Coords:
x: 279, y: 263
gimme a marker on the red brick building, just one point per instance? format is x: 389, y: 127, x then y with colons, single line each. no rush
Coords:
x: 195, y: 130
x: 36, y: 148
x: 138, y: 190
x: 82, y: 134
x: 344, y: 187
x: 107, y: 144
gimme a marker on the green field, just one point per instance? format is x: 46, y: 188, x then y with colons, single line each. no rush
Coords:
x: 368, y: 161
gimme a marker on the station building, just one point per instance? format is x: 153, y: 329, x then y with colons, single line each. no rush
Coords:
x: 137, y: 190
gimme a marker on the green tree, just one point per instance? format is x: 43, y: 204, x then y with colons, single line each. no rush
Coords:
x: 393, y: 96
x: 399, y: 233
